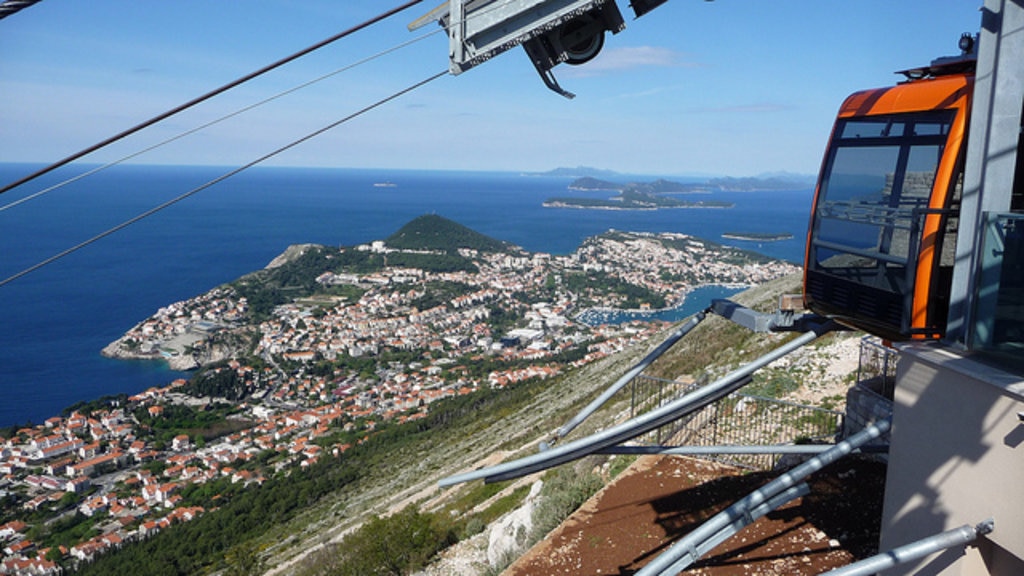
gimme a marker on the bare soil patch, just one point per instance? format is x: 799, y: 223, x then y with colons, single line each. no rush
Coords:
x: 660, y: 499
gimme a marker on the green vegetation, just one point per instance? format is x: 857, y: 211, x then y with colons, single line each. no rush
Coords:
x: 772, y: 383
x: 428, y: 243
x: 296, y: 278
x: 438, y: 293
x: 590, y: 285
x: 590, y: 183
x: 87, y: 407
x: 619, y: 464
x: 177, y: 419
x: 565, y: 489
x: 439, y: 263
x: 244, y: 517
x: 634, y: 196
x: 202, y: 545
x: 220, y: 381
x: 244, y: 560
x: 499, y: 508
x: 660, y: 186
x: 728, y: 254
x: 394, y: 545
x: 433, y: 232
x: 66, y: 531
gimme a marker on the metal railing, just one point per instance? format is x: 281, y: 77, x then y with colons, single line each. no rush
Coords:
x: 677, y: 410
x: 876, y: 367
x: 736, y: 420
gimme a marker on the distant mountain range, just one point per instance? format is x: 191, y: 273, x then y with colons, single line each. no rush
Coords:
x: 578, y: 172
x: 758, y: 183
x: 662, y: 186
x: 659, y: 186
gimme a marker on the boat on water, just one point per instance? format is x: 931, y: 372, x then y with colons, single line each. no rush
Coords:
x: 387, y: 184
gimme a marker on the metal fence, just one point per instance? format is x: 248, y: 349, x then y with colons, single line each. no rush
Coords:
x: 877, y: 366
x: 737, y: 420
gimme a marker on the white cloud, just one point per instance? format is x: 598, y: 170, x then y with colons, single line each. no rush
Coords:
x: 630, y: 58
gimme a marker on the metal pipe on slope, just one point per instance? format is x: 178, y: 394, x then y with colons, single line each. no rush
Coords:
x: 632, y: 373
x: 915, y: 550
x: 684, y: 552
x: 745, y: 520
x: 636, y: 426
x: 798, y: 449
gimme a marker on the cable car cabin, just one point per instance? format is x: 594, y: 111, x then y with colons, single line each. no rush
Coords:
x: 883, y: 225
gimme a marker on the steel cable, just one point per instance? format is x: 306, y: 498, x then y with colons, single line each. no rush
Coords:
x: 480, y: 13
x: 220, y: 178
x: 208, y: 95
x: 9, y: 7
x: 215, y: 121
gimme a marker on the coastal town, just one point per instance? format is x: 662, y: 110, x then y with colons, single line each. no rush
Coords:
x: 285, y: 384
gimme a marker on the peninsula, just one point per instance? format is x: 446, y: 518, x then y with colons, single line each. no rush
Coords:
x: 306, y: 370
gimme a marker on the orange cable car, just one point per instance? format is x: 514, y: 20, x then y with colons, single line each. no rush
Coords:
x: 883, y: 224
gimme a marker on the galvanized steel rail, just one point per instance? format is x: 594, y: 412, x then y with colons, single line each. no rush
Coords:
x: 639, y: 425
x: 961, y: 536
x: 690, y: 548
x: 732, y: 450
x: 632, y: 373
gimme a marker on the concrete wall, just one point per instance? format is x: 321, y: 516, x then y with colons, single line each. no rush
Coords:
x: 956, y: 457
x: 865, y: 406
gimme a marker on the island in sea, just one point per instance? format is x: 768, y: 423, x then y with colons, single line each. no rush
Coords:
x: 757, y: 236
x: 632, y: 196
x: 658, y: 194
x: 304, y: 369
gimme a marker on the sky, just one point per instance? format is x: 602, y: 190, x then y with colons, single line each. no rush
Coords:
x: 729, y: 87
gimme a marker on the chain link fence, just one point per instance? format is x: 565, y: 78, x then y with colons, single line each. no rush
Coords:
x: 737, y: 420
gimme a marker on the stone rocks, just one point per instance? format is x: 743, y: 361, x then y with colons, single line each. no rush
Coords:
x: 509, y: 535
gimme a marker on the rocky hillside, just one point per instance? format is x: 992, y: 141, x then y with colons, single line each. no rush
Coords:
x: 824, y: 372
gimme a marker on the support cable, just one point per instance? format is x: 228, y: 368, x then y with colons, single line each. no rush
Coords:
x: 480, y: 13
x: 206, y: 125
x: 8, y: 7
x: 221, y: 178
x: 209, y: 95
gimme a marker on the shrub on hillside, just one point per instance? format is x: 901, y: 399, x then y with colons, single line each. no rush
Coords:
x: 395, y: 545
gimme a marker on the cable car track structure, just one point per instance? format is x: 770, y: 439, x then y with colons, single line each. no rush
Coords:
x: 895, y: 245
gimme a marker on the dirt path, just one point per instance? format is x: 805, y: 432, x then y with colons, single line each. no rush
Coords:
x: 660, y: 499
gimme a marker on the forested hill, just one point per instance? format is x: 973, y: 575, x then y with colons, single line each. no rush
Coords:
x: 433, y: 232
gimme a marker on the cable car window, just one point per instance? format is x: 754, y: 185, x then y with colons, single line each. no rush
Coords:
x: 861, y: 177
x: 920, y: 173
x: 884, y: 128
x: 931, y: 128
x: 879, y: 175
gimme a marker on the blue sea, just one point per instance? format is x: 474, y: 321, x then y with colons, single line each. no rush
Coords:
x: 55, y: 321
